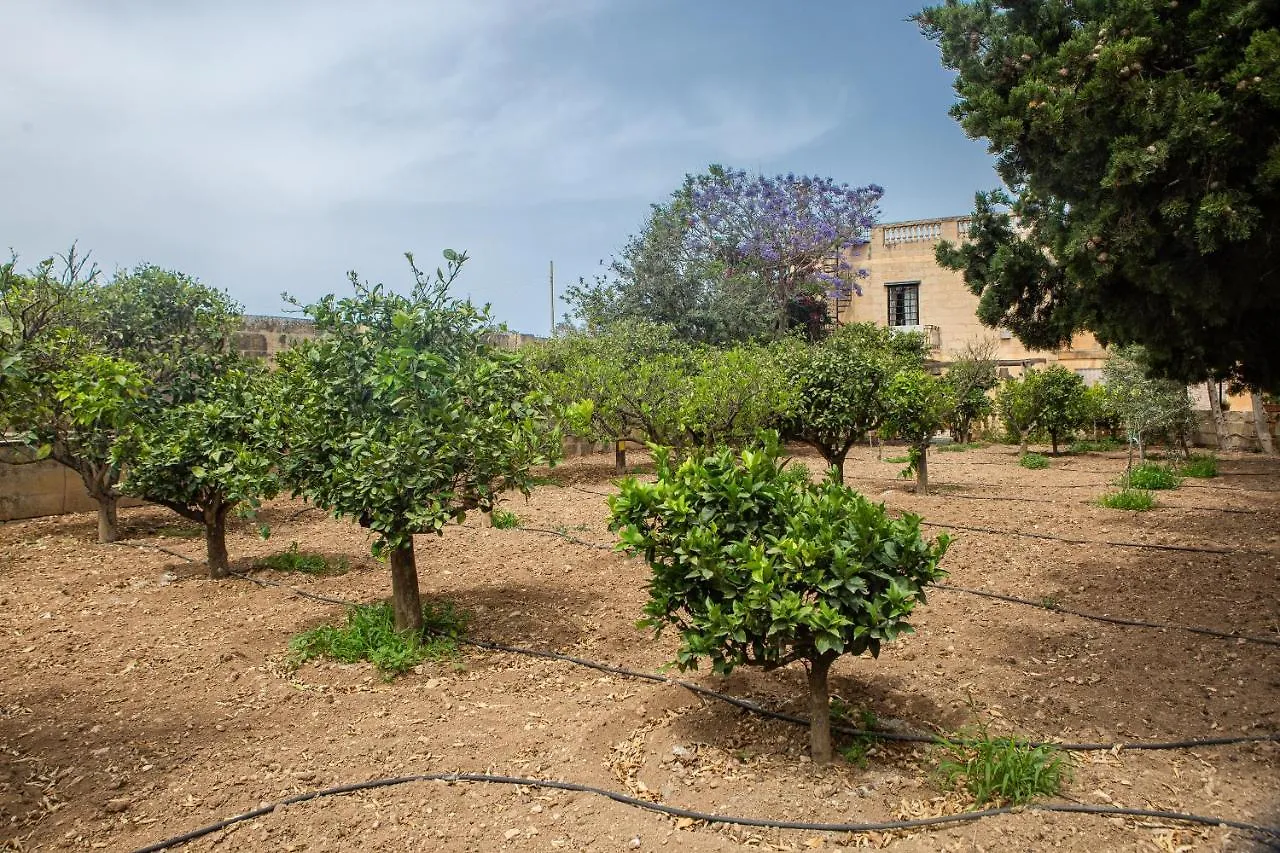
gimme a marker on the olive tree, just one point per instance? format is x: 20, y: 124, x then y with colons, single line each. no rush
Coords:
x: 207, y: 457
x: 403, y: 418
x: 754, y: 565
x: 1145, y: 406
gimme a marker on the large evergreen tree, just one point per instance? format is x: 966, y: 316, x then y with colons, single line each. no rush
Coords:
x: 1140, y: 145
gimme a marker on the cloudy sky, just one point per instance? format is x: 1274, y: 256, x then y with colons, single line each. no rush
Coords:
x: 272, y: 146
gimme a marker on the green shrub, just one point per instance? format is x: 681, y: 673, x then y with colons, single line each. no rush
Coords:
x: 305, y: 562
x: 1001, y: 770
x: 756, y: 565
x: 960, y: 448
x: 370, y: 634
x: 1034, y: 461
x: 504, y: 519
x: 1150, y: 475
x: 1131, y: 499
x: 1200, y: 466
x: 1095, y: 445
x: 897, y: 460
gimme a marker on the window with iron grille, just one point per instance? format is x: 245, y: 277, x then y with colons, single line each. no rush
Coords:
x: 904, y: 303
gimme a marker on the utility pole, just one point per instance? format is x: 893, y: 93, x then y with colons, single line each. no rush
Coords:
x: 551, y: 280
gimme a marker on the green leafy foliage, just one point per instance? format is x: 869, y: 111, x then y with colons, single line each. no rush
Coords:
x: 1136, y: 500
x: 1199, y: 466
x: 755, y: 565
x: 302, y: 562
x: 841, y: 385
x: 1150, y: 475
x: 210, y: 456
x: 918, y: 407
x: 1001, y: 771
x: 961, y: 448
x: 733, y: 393
x: 1146, y: 408
x: 369, y: 634
x: 1019, y: 406
x: 402, y: 417
x: 1061, y: 397
x: 1094, y: 445
x: 970, y: 376
x: 1138, y: 139
x: 503, y: 519
x: 1034, y: 461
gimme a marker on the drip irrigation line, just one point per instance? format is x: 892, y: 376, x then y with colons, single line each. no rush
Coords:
x: 572, y: 539
x: 755, y: 708
x: 1269, y: 834
x: 1002, y: 498
x: 1114, y: 620
x: 1194, y: 549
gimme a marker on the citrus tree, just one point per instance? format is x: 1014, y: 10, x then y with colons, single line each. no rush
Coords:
x: 403, y: 418
x: 754, y: 565
x: 1062, y: 403
x: 1019, y: 405
x: 918, y: 406
x: 204, y: 458
x: 838, y: 385
x: 733, y: 393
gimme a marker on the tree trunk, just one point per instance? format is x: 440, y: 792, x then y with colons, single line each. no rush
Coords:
x: 1053, y: 440
x: 620, y: 456
x: 922, y: 470
x: 108, y: 521
x: 1022, y: 442
x: 1261, y: 425
x: 1219, y: 419
x: 820, y: 709
x: 404, y: 589
x: 215, y: 540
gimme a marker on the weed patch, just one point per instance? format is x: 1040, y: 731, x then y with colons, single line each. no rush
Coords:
x: 1095, y: 445
x: 369, y: 633
x: 1034, y: 461
x: 1199, y: 466
x: 960, y: 448
x: 1150, y: 475
x: 861, y: 747
x: 303, y: 562
x: 1002, y: 771
x: 1130, y: 499
x: 897, y: 460
x: 504, y: 519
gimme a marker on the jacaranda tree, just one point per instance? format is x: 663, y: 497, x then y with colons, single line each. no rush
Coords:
x: 403, y: 418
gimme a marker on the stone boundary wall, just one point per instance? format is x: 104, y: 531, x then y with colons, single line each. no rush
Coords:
x: 1239, y: 426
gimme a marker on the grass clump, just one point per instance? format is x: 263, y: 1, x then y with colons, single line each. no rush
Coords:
x: 960, y: 447
x: 1003, y: 771
x: 1150, y: 475
x: 897, y: 460
x: 1200, y: 466
x: 1131, y: 499
x: 861, y: 746
x: 504, y: 519
x: 303, y: 562
x: 370, y: 634
x: 1099, y: 445
x: 1034, y: 461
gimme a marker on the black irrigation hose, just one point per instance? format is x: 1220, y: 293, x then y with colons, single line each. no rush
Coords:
x: 949, y: 495
x: 1194, y: 549
x: 1270, y: 835
x: 755, y: 708
x: 1114, y: 620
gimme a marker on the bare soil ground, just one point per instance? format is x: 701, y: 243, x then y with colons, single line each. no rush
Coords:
x: 139, y: 700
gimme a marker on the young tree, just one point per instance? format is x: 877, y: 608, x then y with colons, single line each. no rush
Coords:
x: 403, y: 418
x: 205, y: 458
x: 1138, y: 139
x: 1061, y: 401
x: 971, y: 374
x: 1019, y: 404
x: 157, y: 333
x: 839, y: 385
x: 798, y: 572
x: 1145, y: 406
x: 626, y: 380
x: 918, y: 406
x: 732, y: 395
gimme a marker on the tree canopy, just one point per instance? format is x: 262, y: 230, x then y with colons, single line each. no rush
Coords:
x: 733, y: 257
x: 1140, y: 144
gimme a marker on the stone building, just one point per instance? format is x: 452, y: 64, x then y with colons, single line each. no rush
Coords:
x: 906, y: 289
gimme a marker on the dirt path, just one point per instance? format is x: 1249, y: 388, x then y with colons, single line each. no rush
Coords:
x: 139, y: 700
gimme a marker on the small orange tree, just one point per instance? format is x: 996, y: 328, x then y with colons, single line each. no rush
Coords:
x: 755, y: 565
